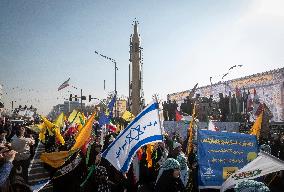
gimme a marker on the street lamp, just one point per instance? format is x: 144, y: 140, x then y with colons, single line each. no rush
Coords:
x: 115, y: 69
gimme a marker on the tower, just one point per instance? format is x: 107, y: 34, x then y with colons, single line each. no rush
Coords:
x: 136, y: 101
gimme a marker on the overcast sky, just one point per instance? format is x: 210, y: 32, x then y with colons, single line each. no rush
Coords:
x: 44, y: 42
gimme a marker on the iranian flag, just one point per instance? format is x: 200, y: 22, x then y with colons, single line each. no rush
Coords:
x: 111, y: 127
x: 64, y: 84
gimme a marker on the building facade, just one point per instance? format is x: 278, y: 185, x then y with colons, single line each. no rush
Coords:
x: 67, y: 107
x: 121, y: 106
x: 269, y: 87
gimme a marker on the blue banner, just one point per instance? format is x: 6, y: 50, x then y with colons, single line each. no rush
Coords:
x: 222, y: 153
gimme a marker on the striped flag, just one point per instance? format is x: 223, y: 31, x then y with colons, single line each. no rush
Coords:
x: 111, y: 127
x: 63, y: 85
x: 40, y: 185
x: 144, y: 129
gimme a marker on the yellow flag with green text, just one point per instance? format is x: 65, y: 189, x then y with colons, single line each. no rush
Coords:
x: 52, y: 128
x: 59, y: 122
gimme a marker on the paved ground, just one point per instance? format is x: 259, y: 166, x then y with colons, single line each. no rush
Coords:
x: 37, y: 172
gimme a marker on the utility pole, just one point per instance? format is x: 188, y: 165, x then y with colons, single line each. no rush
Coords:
x: 82, y: 97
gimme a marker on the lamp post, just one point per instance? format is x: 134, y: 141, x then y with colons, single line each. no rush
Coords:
x: 115, y: 69
x: 91, y: 98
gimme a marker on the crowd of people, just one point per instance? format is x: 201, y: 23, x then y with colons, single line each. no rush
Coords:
x: 233, y: 107
x: 168, y: 170
x: 16, y: 151
x: 163, y: 166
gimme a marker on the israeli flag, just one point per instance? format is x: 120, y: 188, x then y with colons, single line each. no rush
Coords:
x: 40, y: 185
x: 144, y: 129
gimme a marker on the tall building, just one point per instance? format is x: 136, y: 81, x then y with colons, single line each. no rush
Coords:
x: 136, y: 101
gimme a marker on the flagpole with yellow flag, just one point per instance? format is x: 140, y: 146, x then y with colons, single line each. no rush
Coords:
x: 189, y: 143
x: 57, y: 159
x: 84, y: 134
x: 255, y: 130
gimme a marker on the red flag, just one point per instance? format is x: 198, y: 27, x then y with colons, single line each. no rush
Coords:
x: 111, y: 127
x: 178, y: 116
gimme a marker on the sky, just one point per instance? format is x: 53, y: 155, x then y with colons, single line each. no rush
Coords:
x: 44, y: 42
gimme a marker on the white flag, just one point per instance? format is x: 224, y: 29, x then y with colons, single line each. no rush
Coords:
x: 212, y: 127
x: 144, y: 129
x: 40, y: 185
x: 262, y: 165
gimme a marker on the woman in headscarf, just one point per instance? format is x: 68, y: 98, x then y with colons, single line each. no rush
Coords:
x: 168, y: 179
x: 101, y: 180
x: 183, y: 168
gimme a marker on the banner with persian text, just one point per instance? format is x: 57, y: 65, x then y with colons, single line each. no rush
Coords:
x: 221, y: 154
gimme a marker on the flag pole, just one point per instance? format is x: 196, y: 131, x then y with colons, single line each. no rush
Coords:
x: 275, y: 175
x: 191, y: 125
x: 162, y: 130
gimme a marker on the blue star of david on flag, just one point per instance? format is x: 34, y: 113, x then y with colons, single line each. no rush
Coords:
x: 129, y: 135
x: 144, y: 129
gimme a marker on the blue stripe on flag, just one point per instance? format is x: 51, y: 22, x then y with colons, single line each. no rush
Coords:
x: 152, y: 107
x: 136, y: 147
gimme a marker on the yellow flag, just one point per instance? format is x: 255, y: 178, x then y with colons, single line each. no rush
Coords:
x: 189, y: 144
x: 54, y: 159
x: 255, y: 130
x: 41, y: 136
x: 42, y: 127
x: 52, y: 128
x: 127, y: 116
x: 59, y: 136
x: 84, y: 134
x: 48, y: 125
x: 59, y: 122
x: 72, y: 116
x: 149, y: 152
